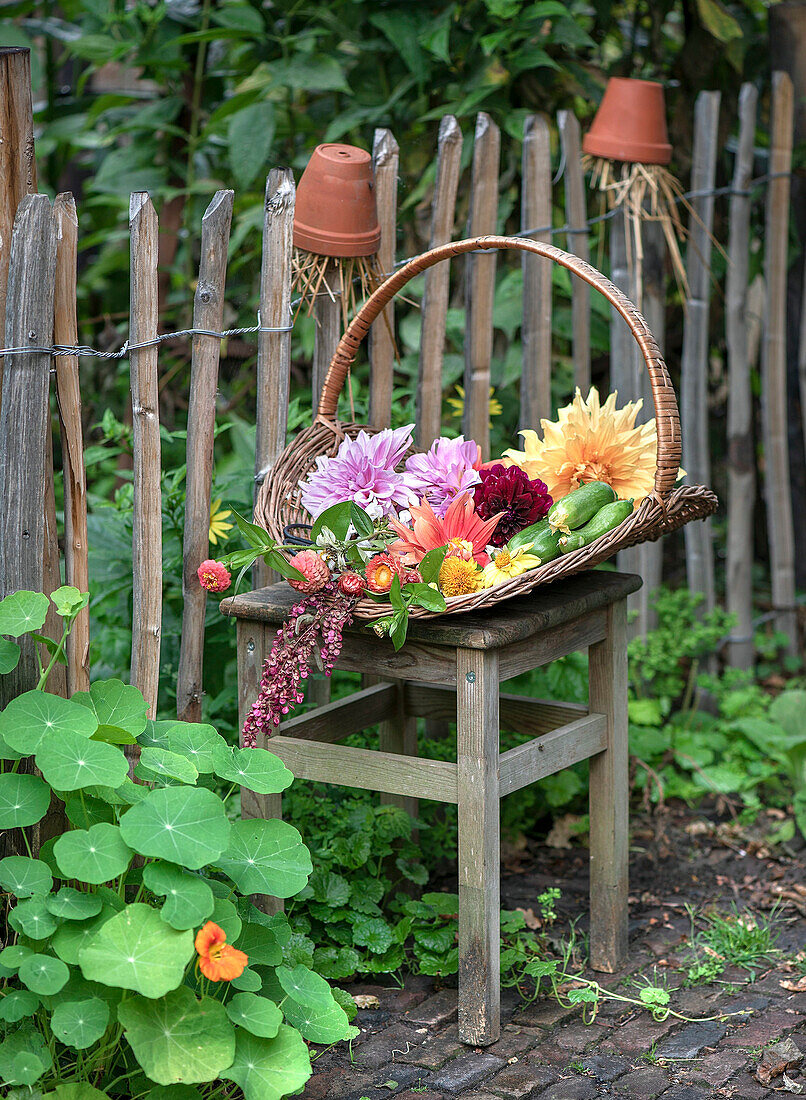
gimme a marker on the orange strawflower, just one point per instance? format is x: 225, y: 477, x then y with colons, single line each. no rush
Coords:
x: 218, y: 961
x: 459, y: 527
x: 382, y: 570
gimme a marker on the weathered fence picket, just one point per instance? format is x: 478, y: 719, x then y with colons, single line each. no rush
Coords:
x: 536, y: 211
x: 385, y: 156
x: 576, y: 218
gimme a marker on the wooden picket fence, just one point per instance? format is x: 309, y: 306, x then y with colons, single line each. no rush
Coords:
x: 40, y: 309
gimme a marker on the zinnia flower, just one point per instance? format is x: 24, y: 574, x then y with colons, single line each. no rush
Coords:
x: 458, y: 577
x: 218, y: 528
x: 214, y: 576
x: 313, y: 569
x: 508, y: 492
x: 592, y: 442
x: 363, y: 470
x: 507, y: 564
x: 218, y: 961
x: 382, y: 569
x: 443, y: 472
x: 459, y: 525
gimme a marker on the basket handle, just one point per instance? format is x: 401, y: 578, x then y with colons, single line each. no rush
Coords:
x: 667, y: 416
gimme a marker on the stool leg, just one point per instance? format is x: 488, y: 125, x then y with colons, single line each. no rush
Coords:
x: 399, y: 735
x: 479, y: 846
x: 609, y: 797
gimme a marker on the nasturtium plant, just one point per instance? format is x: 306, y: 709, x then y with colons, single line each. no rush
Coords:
x: 135, y: 956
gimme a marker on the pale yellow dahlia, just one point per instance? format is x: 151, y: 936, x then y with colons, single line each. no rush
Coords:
x: 508, y: 564
x: 458, y: 577
x: 592, y: 442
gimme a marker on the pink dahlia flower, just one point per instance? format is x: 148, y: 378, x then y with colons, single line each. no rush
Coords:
x: 445, y: 471
x: 363, y: 470
x: 214, y: 576
x: 313, y: 569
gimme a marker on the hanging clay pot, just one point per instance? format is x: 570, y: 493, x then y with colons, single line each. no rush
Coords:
x: 630, y: 124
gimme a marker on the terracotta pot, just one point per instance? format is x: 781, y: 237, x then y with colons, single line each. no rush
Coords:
x: 630, y: 124
x: 335, y: 209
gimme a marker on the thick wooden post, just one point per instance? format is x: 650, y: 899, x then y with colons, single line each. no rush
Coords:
x: 208, y: 313
x: 381, y: 337
x: 576, y: 214
x: 536, y: 332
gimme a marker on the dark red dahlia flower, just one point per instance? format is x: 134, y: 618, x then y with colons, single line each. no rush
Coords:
x: 508, y: 489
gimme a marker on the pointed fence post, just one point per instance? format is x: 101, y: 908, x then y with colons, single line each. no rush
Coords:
x: 385, y: 155
x: 576, y: 215
x: 536, y: 213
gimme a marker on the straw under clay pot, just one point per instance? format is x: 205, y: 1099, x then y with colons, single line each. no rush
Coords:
x: 336, y: 228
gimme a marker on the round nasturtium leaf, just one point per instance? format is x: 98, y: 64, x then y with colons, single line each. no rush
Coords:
x: 195, y: 740
x: 24, y: 1057
x: 9, y: 656
x: 188, y: 899
x: 24, y: 799
x: 310, y: 1006
x: 166, y: 765
x: 268, y: 1069
x: 31, y: 917
x: 37, y: 715
x: 257, y: 1015
x: 249, y: 981
x: 185, y: 825
x: 173, y: 1092
x: 92, y: 855
x: 24, y: 876
x: 260, y: 944
x: 116, y: 706
x: 71, y: 904
x: 17, y: 1004
x: 77, y: 1090
x: 71, y: 936
x: 43, y: 974
x: 13, y: 955
x: 225, y: 915
x: 179, y: 1038
x: 83, y: 810
x: 21, y: 612
x: 266, y: 857
x: 256, y: 769
x: 137, y: 950
x: 70, y: 762
x: 79, y: 1024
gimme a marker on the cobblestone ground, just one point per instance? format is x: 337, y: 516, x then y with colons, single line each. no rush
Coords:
x: 409, y: 1046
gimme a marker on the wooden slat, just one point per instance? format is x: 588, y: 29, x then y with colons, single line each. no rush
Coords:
x: 774, y: 404
x: 694, y: 362
x: 147, y: 518
x: 559, y: 749
x: 208, y: 313
x: 518, y: 713
x: 437, y: 285
x: 477, y: 678
x: 609, y: 797
x: 274, y: 348
x: 327, y: 314
x: 367, y: 769
x: 741, y: 457
x: 480, y: 283
x: 576, y: 215
x: 68, y: 397
x: 536, y: 211
x: 551, y: 645
x: 381, y: 342
x: 338, y: 720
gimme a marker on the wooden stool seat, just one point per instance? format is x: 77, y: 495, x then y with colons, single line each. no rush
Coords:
x: 451, y: 668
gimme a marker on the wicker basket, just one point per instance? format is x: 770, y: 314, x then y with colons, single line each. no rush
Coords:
x: 665, y: 509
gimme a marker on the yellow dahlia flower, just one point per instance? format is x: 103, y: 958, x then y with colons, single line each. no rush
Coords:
x: 458, y: 577
x: 507, y: 564
x: 592, y: 442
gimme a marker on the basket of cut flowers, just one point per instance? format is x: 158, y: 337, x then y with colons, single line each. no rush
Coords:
x: 360, y: 513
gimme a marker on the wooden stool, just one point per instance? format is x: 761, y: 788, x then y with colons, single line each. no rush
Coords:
x: 451, y: 667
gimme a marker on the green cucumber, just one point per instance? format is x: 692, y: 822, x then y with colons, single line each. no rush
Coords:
x: 528, y: 535
x: 579, y: 506
x: 608, y: 517
x: 542, y: 542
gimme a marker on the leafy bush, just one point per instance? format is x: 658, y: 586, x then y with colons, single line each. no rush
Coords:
x: 103, y: 985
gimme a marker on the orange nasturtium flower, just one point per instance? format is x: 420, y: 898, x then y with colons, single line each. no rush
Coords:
x: 218, y: 961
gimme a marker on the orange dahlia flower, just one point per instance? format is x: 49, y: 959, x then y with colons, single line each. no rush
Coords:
x: 459, y: 527
x: 218, y: 961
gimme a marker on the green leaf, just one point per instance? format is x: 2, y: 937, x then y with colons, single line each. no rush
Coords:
x: 226, y: 917
x: 71, y: 936
x: 179, y: 1038
x: 310, y: 1006
x: 241, y: 17
x: 431, y: 564
x: 166, y: 764
x: 68, y: 601
x: 24, y: 876
x: 260, y: 944
x: 249, y: 981
x: 22, y: 612
x: 362, y: 523
x: 718, y: 21
x: 330, y: 889
x: 174, y: 1092
x: 32, y: 918
x: 13, y: 956
x: 185, y: 825
x: 374, y: 933
x: 426, y: 597
x: 69, y: 762
x: 79, y: 1024
x: 395, y: 596
x: 257, y: 1015
x: 71, y: 904
x: 255, y: 535
x: 269, y: 1069
x: 198, y: 742
x: 94, y: 855
x: 250, y: 135
x: 266, y: 857
x: 24, y: 1057
x: 137, y: 950
x: 76, y: 1090
x: 17, y: 1004
x: 115, y: 704
x: 31, y: 717
x: 256, y: 769
x: 43, y: 974
x: 9, y: 656
x: 336, y: 518
x: 24, y: 800
x: 188, y: 899
x: 399, y: 627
